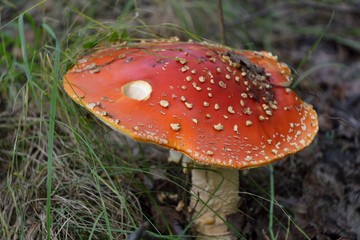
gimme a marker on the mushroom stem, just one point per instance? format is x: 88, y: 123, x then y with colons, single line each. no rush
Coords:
x: 215, y: 195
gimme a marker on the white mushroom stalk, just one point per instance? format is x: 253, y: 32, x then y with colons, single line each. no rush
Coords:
x: 214, y: 196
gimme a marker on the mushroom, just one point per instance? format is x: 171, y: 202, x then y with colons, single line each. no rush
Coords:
x: 224, y: 109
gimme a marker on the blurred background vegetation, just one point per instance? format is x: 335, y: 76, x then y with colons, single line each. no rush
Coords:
x: 57, y: 160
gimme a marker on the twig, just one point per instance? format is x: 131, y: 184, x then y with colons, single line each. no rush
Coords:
x: 222, y: 25
x: 139, y: 233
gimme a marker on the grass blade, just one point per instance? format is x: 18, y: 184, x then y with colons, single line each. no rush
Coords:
x: 51, y: 129
x: 26, y: 65
x: 272, y: 199
x: 312, y: 49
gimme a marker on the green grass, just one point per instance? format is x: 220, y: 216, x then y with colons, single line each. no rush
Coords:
x: 42, y: 170
x: 272, y: 199
x: 66, y: 175
x: 56, y: 79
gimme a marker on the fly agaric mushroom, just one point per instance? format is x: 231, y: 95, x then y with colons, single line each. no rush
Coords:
x: 224, y: 109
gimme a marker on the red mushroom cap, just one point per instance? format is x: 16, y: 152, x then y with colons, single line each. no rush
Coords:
x: 229, y: 108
